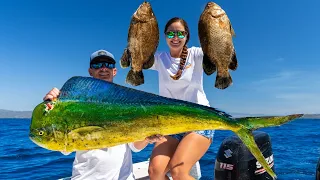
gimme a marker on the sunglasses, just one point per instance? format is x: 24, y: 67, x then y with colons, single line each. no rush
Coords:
x: 179, y: 34
x: 100, y: 64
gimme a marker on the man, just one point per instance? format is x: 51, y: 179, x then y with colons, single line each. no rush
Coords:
x: 110, y: 163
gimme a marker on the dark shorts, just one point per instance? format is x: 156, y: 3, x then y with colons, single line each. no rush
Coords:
x: 206, y: 133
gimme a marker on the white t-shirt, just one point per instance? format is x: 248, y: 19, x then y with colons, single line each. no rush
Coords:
x: 113, y: 163
x: 190, y: 85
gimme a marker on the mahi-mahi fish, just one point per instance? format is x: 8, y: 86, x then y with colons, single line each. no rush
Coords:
x: 215, y: 33
x: 143, y: 40
x: 93, y: 114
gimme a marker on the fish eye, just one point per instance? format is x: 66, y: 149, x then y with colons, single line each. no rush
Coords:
x: 41, y: 133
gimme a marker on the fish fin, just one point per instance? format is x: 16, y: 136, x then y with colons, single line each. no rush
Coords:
x: 86, y: 130
x: 232, y: 30
x: 125, y: 59
x: 208, y: 67
x: 234, y: 61
x: 149, y: 63
x: 135, y: 78
x: 247, y: 138
x: 82, y: 89
x: 266, y: 121
x: 223, y: 82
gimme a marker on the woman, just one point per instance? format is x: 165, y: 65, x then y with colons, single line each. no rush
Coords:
x: 180, y: 77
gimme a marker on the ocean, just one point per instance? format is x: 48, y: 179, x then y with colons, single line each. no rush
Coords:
x: 295, y: 146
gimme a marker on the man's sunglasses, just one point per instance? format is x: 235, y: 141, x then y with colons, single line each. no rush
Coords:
x: 180, y: 34
x: 100, y: 64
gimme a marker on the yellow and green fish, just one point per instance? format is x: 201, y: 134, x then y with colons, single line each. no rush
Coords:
x: 93, y: 114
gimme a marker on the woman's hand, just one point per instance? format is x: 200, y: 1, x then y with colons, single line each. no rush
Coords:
x: 155, y: 138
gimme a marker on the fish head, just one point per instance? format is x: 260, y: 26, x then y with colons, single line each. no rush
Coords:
x: 144, y: 12
x: 214, y: 10
x: 45, y: 131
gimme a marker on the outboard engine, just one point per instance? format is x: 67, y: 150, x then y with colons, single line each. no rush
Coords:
x: 318, y: 170
x: 235, y: 162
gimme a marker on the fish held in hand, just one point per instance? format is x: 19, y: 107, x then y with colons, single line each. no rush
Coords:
x: 215, y: 33
x: 94, y: 114
x: 143, y: 40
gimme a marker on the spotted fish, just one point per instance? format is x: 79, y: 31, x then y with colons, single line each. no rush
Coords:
x: 215, y: 33
x: 143, y: 40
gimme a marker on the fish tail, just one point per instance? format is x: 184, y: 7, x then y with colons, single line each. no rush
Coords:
x: 135, y: 78
x: 254, y: 123
x: 251, y: 123
x: 247, y: 138
x: 223, y: 82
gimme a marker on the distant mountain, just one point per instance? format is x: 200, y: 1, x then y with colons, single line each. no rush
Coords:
x: 306, y: 116
x: 15, y: 114
x: 311, y: 116
x: 238, y: 115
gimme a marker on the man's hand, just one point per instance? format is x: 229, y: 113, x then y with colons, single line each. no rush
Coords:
x: 53, y: 94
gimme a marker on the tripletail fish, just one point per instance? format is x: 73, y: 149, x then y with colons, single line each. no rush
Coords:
x: 93, y: 114
x: 215, y: 34
x: 143, y: 40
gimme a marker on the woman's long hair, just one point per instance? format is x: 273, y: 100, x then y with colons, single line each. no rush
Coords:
x: 184, y: 53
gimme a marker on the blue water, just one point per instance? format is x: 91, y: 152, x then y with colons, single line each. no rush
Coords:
x: 295, y: 145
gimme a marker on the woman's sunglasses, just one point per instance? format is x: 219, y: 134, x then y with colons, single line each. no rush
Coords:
x: 100, y: 64
x: 180, y: 34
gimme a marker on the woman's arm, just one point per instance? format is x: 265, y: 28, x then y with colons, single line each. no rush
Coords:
x: 140, y: 145
x: 156, y: 57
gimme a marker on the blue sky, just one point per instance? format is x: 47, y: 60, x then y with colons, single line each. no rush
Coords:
x: 44, y: 43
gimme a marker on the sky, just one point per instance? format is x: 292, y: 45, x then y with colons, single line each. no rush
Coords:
x: 44, y: 43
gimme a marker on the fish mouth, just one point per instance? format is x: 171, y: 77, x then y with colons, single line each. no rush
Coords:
x: 145, y: 4
x: 38, y: 142
x: 33, y: 138
x: 142, y: 9
x: 213, y: 5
